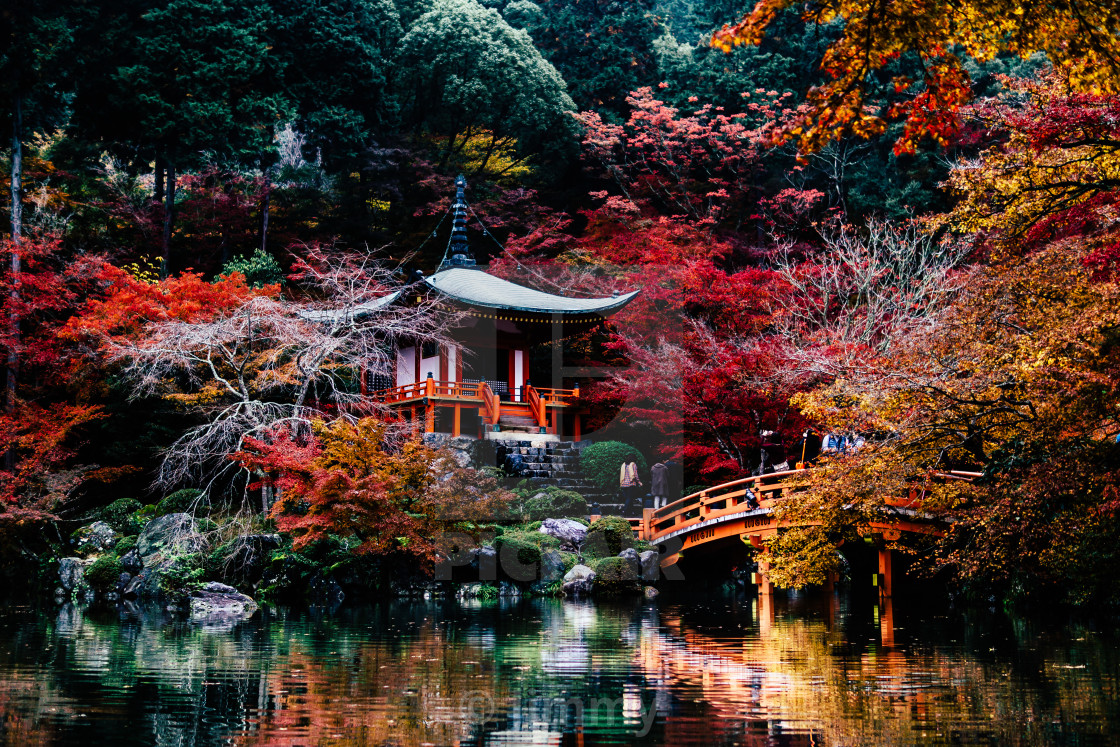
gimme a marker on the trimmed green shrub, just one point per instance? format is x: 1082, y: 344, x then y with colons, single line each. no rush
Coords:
x: 104, y: 572
x: 602, y: 462
x: 554, y: 503
x: 694, y: 489
x: 185, y: 501
x: 615, y: 577
x: 608, y: 536
x: 121, y: 515
x: 259, y: 268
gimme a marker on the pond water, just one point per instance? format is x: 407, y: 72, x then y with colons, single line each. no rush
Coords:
x: 820, y: 670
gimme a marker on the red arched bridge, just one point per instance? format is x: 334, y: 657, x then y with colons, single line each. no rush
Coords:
x: 744, y: 509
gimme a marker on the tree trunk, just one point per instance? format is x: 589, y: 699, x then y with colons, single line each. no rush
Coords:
x: 12, y: 362
x: 168, y: 222
x: 264, y: 208
x: 157, y: 193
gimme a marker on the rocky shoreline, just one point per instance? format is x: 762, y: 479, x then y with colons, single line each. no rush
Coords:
x: 176, y: 561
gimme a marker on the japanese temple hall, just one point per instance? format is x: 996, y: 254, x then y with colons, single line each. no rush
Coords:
x: 480, y: 384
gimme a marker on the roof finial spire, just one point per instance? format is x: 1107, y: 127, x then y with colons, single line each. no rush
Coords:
x: 458, y: 247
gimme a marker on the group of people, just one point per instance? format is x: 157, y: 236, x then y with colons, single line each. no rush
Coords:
x: 665, y: 477
x: 665, y: 480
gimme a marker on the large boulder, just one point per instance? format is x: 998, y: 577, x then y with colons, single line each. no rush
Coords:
x: 166, y: 548
x: 131, y: 562
x: 651, y: 565
x: 215, y: 600
x: 71, y: 573
x: 578, y: 581
x: 630, y: 555
x: 173, y: 534
x: 98, y: 537
x: 570, y: 532
x: 487, y: 564
x: 552, y: 566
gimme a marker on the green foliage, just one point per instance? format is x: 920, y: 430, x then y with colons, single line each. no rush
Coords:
x: 456, y: 79
x: 615, y: 577
x: 183, y: 78
x: 607, y: 537
x: 603, y: 48
x: 334, y: 59
x: 602, y: 461
x: 288, y: 572
x: 121, y: 515
x: 181, y: 574
x: 185, y: 501
x: 104, y: 573
x: 260, y: 269
x: 570, y: 559
x: 695, y: 489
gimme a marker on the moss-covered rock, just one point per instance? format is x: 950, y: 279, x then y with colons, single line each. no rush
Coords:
x: 519, y: 553
x: 173, y: 534
x: 121, y: 516
x: 97, y: 537
x: 185, y: 501
x: 124, y: 546
x: 104, y: 573
x: 607, y: 537
x: 554, y: 503
x: 615, y: 577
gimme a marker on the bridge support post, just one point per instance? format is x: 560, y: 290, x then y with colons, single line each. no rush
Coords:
x: 455, y: 425
x: 765, y: 588
x: 885, y: 572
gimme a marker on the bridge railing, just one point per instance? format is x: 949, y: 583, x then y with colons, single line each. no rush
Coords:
x: 759, y: 491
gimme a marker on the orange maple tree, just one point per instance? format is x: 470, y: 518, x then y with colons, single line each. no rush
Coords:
x: 1081, y: 37
x: 349, y: 478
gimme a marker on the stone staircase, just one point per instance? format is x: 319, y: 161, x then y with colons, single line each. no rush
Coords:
x: 546, y: 462
x: 511, y: 423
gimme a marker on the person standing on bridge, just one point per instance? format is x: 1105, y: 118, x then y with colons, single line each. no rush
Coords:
x: 628, y: 483
x: 659, y: 484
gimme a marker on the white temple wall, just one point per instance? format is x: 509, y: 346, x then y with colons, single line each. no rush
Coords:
x: 406, y: 365
x: 452, y: 363
x: 429, y: 365
x: 518, y: 372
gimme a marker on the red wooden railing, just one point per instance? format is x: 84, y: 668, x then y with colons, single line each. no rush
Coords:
x: 536, y: 404
x: 728, y: 498
x: 558, y: 396
x: 492, y: 404
x: 465, y: 390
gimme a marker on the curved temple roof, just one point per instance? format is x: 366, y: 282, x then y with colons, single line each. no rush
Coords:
x: 475, y: 287
x: 331, y: 316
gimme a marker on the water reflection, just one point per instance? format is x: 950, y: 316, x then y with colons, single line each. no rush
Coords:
x: 783, y: 670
